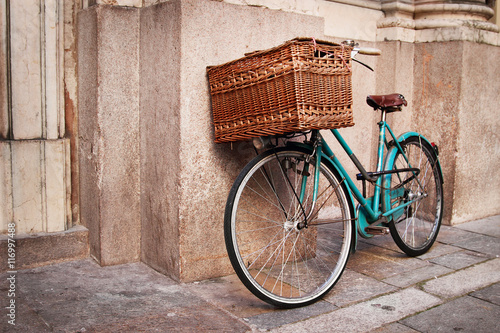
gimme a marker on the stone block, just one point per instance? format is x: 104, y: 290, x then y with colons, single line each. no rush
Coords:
x: 27, y: 187
x: 381, y: 263
x: 160, y: 73
x: 41, y: 249
x: 376, y: 312
x: 36, y: 185
x: 490, y: 294
x: 460, y: 259
x: 465, y: 314
x: 185, y: 176
x: 354, y: 287
x: 483, y: 244
x: 417, y: 275
x: 57, y: 185
x: 476, y: 191
x: 26, y: 70
x: 6, y: 214
x: 108, y: 64
x: 454, y: 97
x: 487, y: 226
x: 465, y: 281
x: 271, y: 320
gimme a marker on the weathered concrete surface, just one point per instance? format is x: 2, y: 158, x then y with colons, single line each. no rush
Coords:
x: 81, y: 296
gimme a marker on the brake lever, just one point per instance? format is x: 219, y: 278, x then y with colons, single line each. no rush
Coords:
x: 362, y: 63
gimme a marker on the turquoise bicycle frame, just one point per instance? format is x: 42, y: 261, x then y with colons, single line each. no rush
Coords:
x: 369, y: 211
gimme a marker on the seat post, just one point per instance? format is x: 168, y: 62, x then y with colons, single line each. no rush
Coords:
x: 383, y: 116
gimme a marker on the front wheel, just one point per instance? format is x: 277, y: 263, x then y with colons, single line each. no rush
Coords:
x: 277, y: 258
x: 415, y: 226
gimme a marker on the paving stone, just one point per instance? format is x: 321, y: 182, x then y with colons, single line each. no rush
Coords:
x: 490, y: 294
x: 26, y: 319
x: 451, y: 235
x: 394, y: 328
x: 384, y: 241
x: 80, y: 295
x: 460, y: 259
x: 437, y: 250
x: 465, y: 314
x: 417, y: 275
x: 187, y: 319
x: 381, y: 263
x: 487, y: 226
x: 465, y: 281
x: 368, y: 315
x: 230, y: 294
x: 355, y: 287
x: 278, y: 318
x: 481, y: 243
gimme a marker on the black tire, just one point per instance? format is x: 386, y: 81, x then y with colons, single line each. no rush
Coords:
x: 417, y: 225
x: 277, y: 260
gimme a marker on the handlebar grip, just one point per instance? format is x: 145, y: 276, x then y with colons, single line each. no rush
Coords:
x: 369, y: 51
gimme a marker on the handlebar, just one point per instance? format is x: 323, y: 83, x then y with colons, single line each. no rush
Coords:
x: 362, y: 50
x: 367, y: 50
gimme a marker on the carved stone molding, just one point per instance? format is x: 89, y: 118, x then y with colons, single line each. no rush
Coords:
x: 427, y: 21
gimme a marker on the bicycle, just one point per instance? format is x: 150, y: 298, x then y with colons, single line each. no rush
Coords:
x: 290, y: 221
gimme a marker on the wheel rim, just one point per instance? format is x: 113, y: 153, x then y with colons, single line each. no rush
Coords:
x: 419, y: 223
x: 283, y: 262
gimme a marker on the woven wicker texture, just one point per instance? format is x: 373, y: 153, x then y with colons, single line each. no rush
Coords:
x: 300, y: 85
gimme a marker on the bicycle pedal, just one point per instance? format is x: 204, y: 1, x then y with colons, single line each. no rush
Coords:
x: 376, y: 230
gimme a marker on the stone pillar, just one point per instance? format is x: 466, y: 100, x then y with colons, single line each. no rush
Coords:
x: 108, y: 89
x: 186, y: 177
x: 453, y: 86
x: 456, y: 103
x: 35, y: 155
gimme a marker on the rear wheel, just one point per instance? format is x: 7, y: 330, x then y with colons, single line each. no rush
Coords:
x: 415, y: 227
x: 274, y: 255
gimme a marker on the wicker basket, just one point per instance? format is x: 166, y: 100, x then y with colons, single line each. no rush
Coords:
x: 300, y: 85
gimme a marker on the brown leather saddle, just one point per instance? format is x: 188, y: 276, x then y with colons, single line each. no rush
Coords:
x: 389, y: 103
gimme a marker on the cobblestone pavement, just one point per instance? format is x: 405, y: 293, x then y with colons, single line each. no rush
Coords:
x: 455, y: 287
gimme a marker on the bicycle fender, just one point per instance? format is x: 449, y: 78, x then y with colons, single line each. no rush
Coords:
x: 389, y: 162
x: 392, y: 152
